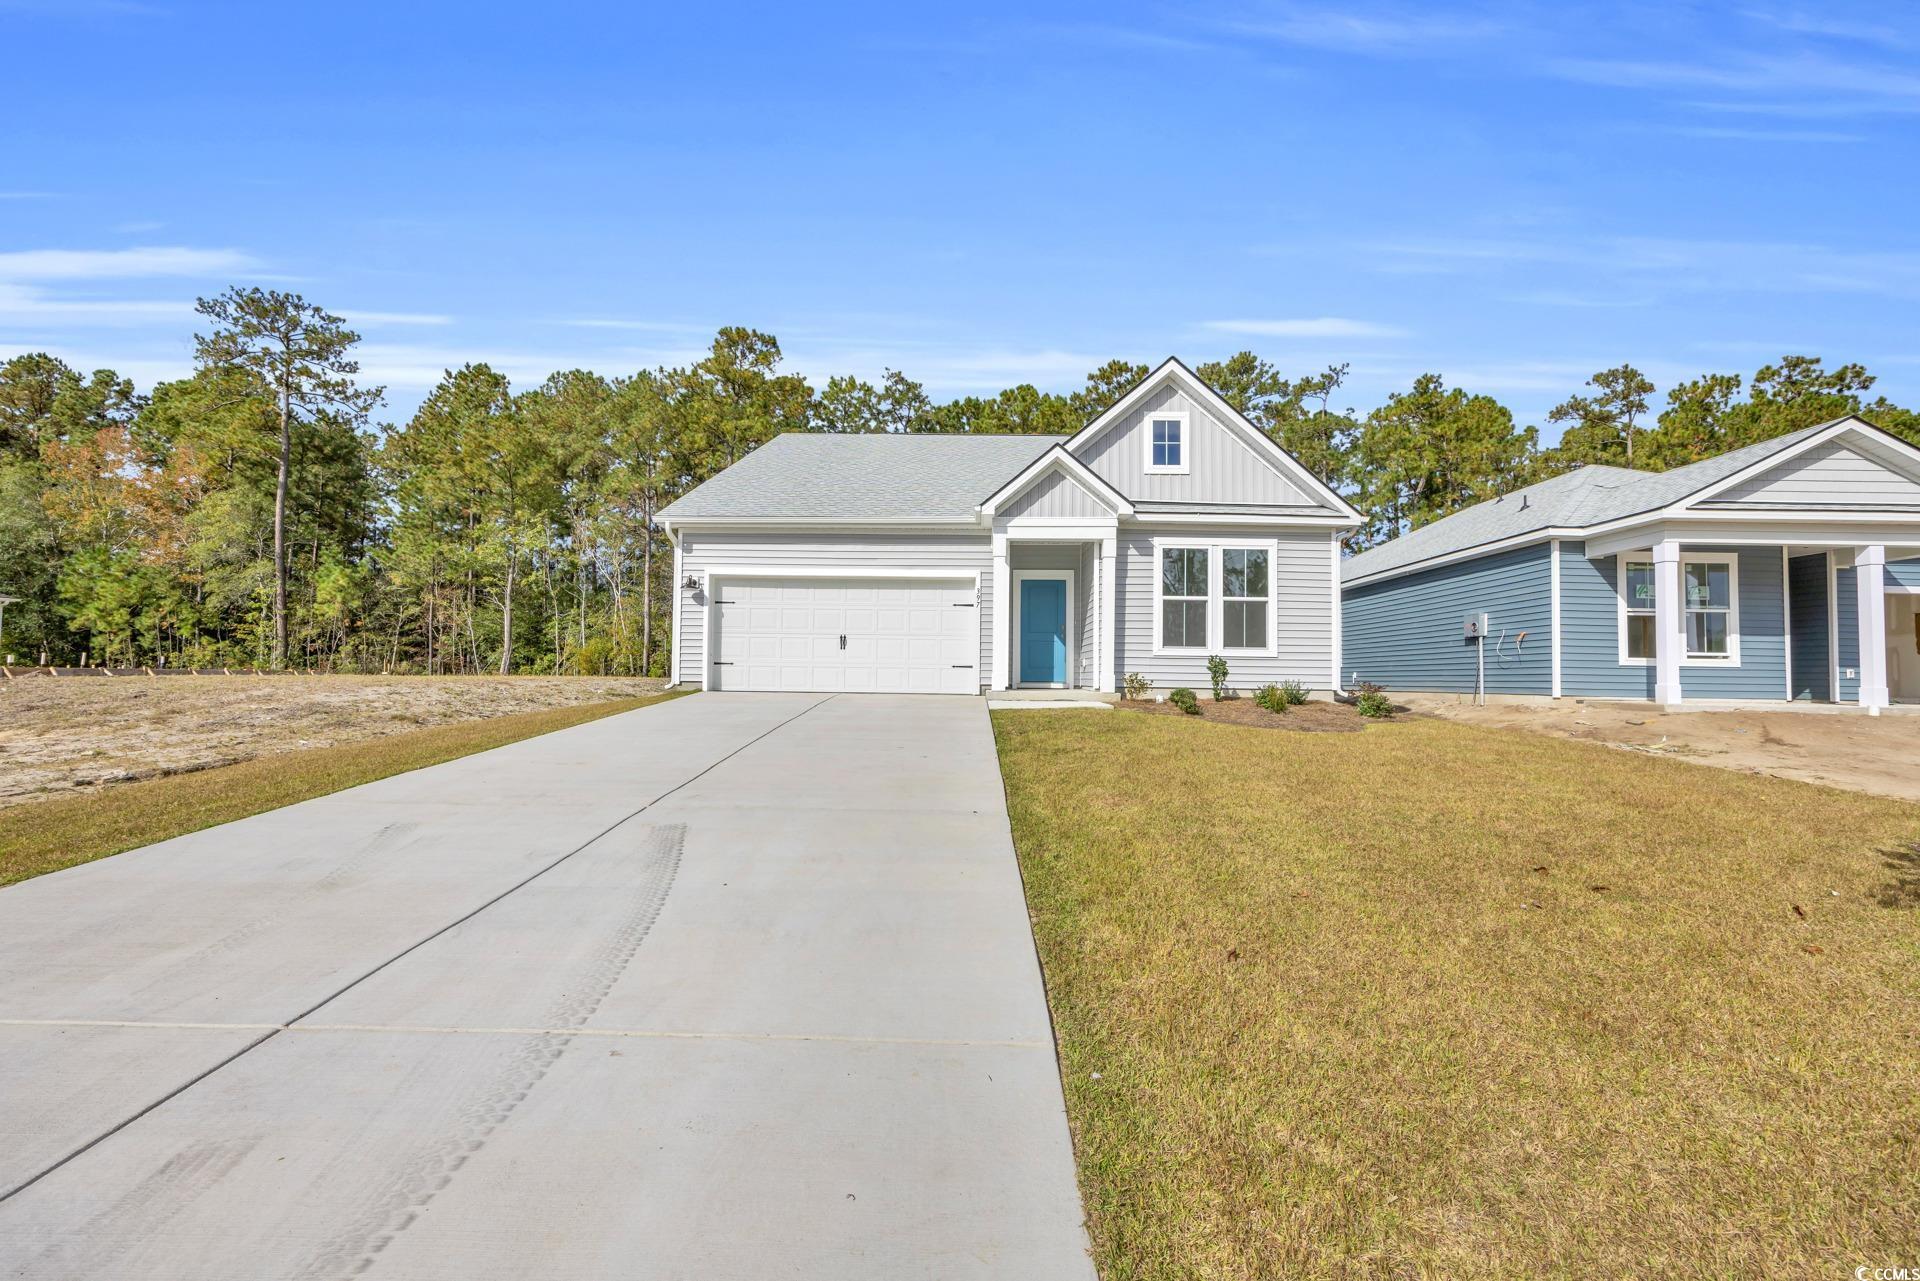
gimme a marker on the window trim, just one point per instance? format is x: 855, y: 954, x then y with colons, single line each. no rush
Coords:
x: 1216, y: 597
x: 1185, y: 419
x: 1220, y: 552
x: 1731, y: 560
x: 1160, y: 597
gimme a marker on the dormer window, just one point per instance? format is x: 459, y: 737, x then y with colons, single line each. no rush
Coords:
x: 1167, y: 442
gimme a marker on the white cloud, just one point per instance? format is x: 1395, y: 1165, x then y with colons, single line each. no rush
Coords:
x: 385, y: 318
x: 1400, y: 31
x: 643, y: 326
x: 32, y: 305
x: 121, y: 264
x: 1312, y: 327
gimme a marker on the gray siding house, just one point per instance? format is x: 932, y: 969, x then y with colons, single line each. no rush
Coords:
x: 1168, y: 529
x: 1782, y: 571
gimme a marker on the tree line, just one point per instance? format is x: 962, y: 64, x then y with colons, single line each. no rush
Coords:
x: 252, y: 514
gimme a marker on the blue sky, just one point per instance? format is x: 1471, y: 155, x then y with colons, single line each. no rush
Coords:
x: 1511, y: 195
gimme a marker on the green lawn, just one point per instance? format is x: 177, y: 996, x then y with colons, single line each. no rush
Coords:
x: 1434, y: 1000
x: 45, y: 836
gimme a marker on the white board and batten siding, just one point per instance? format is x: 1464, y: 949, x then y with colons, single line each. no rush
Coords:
x: 955, y: 558
x: 1221, y: 468
x: 1056, y: 496
x: 1304, y: 605
x: 1832, y: 475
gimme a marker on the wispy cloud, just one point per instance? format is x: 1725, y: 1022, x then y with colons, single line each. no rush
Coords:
x: 27, y: 195
x: 121, y: 264
x: 1798, y: 83
x: 1395, y: 31
x: 1665, y: 264
x: 639, y: 326
x: 1731, y: 134
x: 30, y: 304
x: 383, y: 318
x: 1312, y: 327
x: 1800, y: 22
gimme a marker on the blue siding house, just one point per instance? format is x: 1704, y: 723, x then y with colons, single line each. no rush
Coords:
x: 1785, y: 571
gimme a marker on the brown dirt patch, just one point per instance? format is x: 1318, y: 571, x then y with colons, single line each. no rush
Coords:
x: 1308, y: 718
x: 59, y: 734
x: 1878, y: 754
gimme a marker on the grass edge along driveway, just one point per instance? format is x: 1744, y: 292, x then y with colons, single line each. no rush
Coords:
x: 1439, y: 1000
x: 45, y: 836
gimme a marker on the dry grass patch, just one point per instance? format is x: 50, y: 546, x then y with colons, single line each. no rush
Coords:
x: 45, y: 836
x: 1433, y: 1000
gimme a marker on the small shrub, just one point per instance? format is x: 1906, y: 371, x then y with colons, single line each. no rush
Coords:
x: 1372, y: 701
x: 1217, y: 673
x: 1271, y: 697
x: 1184, y: 699
x: 1294, y: 692
x: 1135, y: 685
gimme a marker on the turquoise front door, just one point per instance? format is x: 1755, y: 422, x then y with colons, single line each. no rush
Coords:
x: 1043, y: 631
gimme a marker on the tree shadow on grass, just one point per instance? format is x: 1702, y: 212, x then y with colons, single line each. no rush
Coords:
x: 1904, y: 889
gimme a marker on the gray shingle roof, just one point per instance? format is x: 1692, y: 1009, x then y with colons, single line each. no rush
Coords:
x: 1572, y: 500
x: 804, y: 476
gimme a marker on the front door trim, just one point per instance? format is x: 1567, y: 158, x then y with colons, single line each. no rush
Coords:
x: 1070, y: 578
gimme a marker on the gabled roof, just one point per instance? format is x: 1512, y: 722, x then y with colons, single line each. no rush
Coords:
x: 1574, y: 501
x: 1057, y: 459
x: 862, y: 477
x: 1174, y: 370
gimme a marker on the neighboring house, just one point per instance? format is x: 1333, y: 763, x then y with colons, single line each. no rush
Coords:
x: 1168, y: 529
x: 1772, y: 572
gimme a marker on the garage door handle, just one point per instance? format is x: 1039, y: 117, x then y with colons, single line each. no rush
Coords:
x: 843, y: 640
x: 721, y: 662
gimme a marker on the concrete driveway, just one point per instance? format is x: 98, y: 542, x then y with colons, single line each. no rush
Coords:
x: 735, y: 986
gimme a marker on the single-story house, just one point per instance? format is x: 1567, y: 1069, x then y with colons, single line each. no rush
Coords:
x: 1166, y: 530
x: 1781, y: 571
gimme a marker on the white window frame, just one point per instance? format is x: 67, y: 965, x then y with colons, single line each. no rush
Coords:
x: 1160, y: 597
x: 1185, y: 420
x: 1216, y: 599
x: 1220, y: 555
x: 1732, y: 657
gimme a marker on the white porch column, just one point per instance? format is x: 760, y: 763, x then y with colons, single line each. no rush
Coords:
x: 1669, y: 623
x: 1870, y: 565
x: 1109, y: 624
x: 1002, y: 615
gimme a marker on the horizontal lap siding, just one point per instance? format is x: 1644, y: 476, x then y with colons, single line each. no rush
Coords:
x: 1407, y: 633
x: 1590, y: 644
x: 1303, y: 598
x: 1830, y: 476
x: 964, y: 554
x: 1846, y: 591
x: 1904, y: 573
x: 1590, y: 612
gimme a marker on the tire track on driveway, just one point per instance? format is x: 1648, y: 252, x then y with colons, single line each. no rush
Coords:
x: 337, y: 993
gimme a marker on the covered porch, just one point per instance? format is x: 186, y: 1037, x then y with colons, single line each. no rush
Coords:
x: 1053, y: 608
x: 1822, y: 615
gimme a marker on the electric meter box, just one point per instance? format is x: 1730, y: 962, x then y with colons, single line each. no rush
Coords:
x: 1475, y: 627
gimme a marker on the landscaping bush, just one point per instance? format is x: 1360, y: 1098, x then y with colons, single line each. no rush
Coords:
x: 1272, y: 697
x: 1135, y: 685
x: 1372, y: 701
x: 1185, y: 699
x: 1294, y: 692
x: 1217, y: 673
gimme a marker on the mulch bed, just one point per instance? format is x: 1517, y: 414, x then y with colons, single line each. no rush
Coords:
x: 1310, y: 718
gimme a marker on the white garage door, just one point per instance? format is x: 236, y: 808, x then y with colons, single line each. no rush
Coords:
x: 917, y: 636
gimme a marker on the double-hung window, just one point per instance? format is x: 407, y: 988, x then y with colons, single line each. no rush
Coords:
x: 1709, y: 600
x: 1244, y: 597
x: 1637, y: 590
x: 1184, y: 579
x: 1167, y: 442
x: 1709, y: 596
x: 1216, y: 597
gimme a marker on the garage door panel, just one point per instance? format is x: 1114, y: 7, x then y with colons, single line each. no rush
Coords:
x: 899, y: 636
